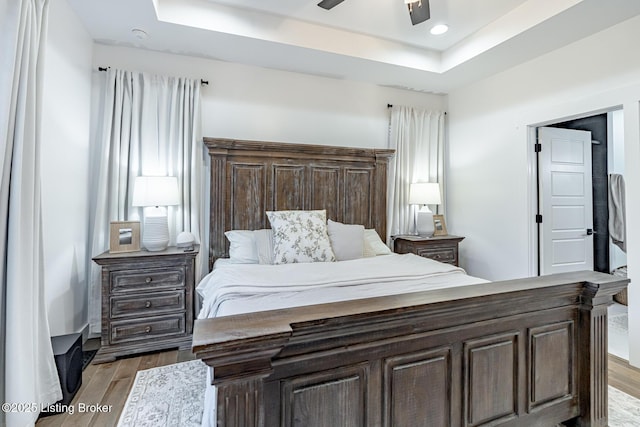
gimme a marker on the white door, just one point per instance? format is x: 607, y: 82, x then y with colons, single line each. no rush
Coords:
x: 565, y: 200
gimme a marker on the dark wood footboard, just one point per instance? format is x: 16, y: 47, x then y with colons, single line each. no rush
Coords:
x: 530, y: 352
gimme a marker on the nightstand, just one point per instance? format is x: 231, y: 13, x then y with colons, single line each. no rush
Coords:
x: 147, y: 301
x: 439, y: 248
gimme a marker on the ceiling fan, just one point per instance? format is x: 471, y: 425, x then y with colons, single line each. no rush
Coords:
x: 418, y: 9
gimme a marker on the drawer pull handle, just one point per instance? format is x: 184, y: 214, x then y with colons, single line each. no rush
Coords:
x: 147, y: 329
x: 147, y: 304
x: 148, y: 279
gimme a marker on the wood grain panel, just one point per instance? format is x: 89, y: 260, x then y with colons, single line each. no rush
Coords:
x: 593, y: 388
x: 218, y: 205
x: 418, y: 389
x: 289, y: 187
x: 240, y: 406
x: 325, y: 191
x: 491, y: 366
x: 248, y: 184
x: 551, y: 375
x: 145, y: 304
x: 142, y: 279
x: 326, y: 399
x: 358, y: 185
x: 148, y: 328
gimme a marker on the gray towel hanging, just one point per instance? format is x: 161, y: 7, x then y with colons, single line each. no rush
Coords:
x: 617, y: 220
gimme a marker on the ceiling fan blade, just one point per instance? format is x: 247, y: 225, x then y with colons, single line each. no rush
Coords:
x: 419, y: 11
x: 328, y: 4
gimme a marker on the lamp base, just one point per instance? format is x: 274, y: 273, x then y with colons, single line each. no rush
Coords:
x: 156, y: 233
x: 424, y: 223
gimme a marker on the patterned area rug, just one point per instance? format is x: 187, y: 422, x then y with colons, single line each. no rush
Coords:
x: 173, y: 395
x: 168, y: 396
x: 624, y: 410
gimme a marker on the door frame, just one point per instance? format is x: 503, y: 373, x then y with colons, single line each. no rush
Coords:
x: 532, y: 182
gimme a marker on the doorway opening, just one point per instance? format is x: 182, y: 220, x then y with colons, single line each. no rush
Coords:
x: 607, y: 158
x: 606, y: 152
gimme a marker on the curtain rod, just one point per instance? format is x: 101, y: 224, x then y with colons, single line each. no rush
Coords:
x: 202, y: 81
x: 391, y: 106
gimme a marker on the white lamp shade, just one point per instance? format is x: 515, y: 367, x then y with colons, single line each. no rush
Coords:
x: 424, y: 193
x: 155, y: 191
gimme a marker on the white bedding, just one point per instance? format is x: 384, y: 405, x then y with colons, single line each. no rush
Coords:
x: 242, y: 288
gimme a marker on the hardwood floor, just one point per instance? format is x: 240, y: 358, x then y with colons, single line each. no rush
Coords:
x: 623, y: 376
x: 109, y: 384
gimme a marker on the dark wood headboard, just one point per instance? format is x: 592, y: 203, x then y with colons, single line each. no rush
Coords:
x: 249, y: 178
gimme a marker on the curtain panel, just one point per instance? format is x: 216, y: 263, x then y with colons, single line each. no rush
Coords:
x: 418, y: 137
x: 29, y: 373
x: 147, y: 125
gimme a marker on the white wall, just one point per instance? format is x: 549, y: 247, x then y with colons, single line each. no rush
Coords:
x: 65, y: 131
x: 248, y: 102
x: 617, y: 257
x: 616, y: 144
x: 489, y: 188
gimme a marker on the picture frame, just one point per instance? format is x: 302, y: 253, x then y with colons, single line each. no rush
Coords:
x: 124, y: 236
x: 439, y: 226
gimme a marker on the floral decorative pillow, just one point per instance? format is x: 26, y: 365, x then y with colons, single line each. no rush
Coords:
x: 300, y: 236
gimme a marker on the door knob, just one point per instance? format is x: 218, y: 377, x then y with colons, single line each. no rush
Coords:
x: 590, y: 232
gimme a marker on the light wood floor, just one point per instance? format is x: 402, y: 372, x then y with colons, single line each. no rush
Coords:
x: 623, y: 376
x: 109, y: 384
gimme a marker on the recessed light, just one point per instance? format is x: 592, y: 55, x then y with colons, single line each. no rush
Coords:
x: 439, y: 29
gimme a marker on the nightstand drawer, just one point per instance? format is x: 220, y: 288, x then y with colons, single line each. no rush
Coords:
x: 128, y: 331
x: 447, y: 255
x: 147, y: 304
x: 134, y: 280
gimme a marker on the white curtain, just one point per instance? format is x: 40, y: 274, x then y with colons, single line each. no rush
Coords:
x: 29, y: 372
x: 148, y: 125
x: 418, y: 138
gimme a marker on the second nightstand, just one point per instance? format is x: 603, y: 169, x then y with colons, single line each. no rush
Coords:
x: 439, y: 248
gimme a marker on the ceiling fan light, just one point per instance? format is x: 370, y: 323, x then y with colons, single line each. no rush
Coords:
x: 439, y: 29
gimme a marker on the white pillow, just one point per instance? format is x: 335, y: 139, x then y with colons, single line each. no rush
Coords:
x: 347, y: 240
x: 264, y: 245
x: 242, y: 248
x: 373, y: 245
x: 300, y: 236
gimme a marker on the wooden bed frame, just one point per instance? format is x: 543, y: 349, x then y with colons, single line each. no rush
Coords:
x: 529, y: 352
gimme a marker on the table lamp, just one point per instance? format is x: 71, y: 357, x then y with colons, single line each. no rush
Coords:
x: 155, y: 193
x: 424, y: 194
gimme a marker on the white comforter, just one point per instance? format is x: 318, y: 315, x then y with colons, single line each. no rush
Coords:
x: 243, y: 288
